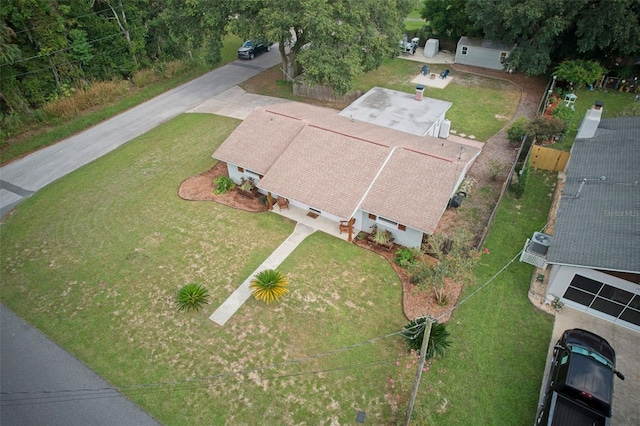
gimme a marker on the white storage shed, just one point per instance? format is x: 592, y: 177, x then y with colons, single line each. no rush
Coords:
x: 482, y: 53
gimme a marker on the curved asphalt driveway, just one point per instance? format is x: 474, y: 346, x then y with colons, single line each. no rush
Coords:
x: 31, y: 363
x: 23, y: 177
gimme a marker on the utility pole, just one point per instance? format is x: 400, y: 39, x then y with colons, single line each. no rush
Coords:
x: 423, y: 357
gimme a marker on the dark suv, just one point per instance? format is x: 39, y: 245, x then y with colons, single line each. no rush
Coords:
x: 251, y: 48
x: 580, y: 383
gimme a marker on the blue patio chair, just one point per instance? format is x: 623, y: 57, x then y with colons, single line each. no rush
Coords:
x: 444, y: 74
x: 425, y: 70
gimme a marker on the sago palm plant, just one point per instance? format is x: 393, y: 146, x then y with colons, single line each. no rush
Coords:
x: 438, y: 339
x: 191, y: 297
x: 269, y: 285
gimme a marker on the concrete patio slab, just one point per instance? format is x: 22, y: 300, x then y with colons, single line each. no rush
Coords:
x: 235, y: 103
x: 435, y: 82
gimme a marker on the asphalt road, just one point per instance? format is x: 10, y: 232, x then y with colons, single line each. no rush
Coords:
x: 40, y: 383
x: 21, y: 178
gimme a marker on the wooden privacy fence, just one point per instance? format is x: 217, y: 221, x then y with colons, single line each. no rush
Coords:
x: 548, y: 158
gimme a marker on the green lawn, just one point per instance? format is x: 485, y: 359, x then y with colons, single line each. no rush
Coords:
x: 481, y: 105
x: 94, y: 261
x: 494, y: 369
x: 616, y: 104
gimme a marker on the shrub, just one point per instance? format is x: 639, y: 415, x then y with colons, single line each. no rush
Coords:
x: 438, y: 339
x: 247, y: 185
x: 382, y: 237
x: 223, y: 184
x: 520, y: 185
x: 545, y: 128
x: 496, y: 167
x: 269, y: 285
x: 567, y: 115
x: 144, y: 77
x: 517, y: 130
x: 191, y: 297
x: 405, y: 257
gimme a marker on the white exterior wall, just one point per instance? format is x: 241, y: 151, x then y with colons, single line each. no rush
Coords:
x: 435, y: 128
x: 561, y: 276
x: 410, y: 237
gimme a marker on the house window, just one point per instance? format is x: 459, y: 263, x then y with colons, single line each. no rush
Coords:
x: 464, y: 50
x: 372, y: 216
x: 387, y: 221
x: 503, y: 56
x: 402, y: 227
x: 240, y: 169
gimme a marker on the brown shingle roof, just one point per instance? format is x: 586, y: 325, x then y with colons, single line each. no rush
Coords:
x: 259, y: 140
x: 312, y: 155
x: 413, y: 189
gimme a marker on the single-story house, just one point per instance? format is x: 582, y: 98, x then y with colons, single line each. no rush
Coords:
x: 482, y: 53
x: 594, y: 251
x: 348, y: 170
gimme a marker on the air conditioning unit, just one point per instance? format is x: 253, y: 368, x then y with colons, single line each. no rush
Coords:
x: 539, y: 243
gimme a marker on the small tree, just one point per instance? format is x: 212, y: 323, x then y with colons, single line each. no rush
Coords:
x: 517, y: 129
x: 521, y: 184
x: 545, y: 128
x: 567, y: 115
x: 438, y: 339
x: 455, y: 262
x: 579, y: 72
x: 269, y: 285
x: 191, y: 297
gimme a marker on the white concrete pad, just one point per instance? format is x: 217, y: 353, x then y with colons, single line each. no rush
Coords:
x: 435, y: 82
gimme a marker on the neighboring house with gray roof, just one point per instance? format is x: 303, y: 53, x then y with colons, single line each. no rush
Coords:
x: 595, y: 247
x: 342, y: 168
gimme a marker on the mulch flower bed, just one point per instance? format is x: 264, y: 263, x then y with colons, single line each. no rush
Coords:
x: 415, y: 302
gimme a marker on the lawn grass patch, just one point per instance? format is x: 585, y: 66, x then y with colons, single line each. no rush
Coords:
x: 95, y: 259
x: 616, y: 104
x: 494, y: 367
x: 481, y: 106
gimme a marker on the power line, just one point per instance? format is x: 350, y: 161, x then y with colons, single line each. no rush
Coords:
x: 63, y: 20
x: 68, y: 48
x: 179, y: 385
x: 66, y: 395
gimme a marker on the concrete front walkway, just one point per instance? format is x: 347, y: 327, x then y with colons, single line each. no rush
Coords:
x: 242, y: 293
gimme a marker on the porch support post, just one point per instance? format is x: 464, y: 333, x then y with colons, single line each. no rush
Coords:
x: 351, y: 222
x: 270, y: 200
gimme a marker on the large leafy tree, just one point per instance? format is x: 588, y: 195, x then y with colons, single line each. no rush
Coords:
x: 332, y: 40
x: 448, y: 19
x: 551, y: 30
x: 197, y: 24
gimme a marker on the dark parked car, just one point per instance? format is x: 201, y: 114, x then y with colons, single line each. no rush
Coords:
x: 580, y: 383
x: 252, y: 48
